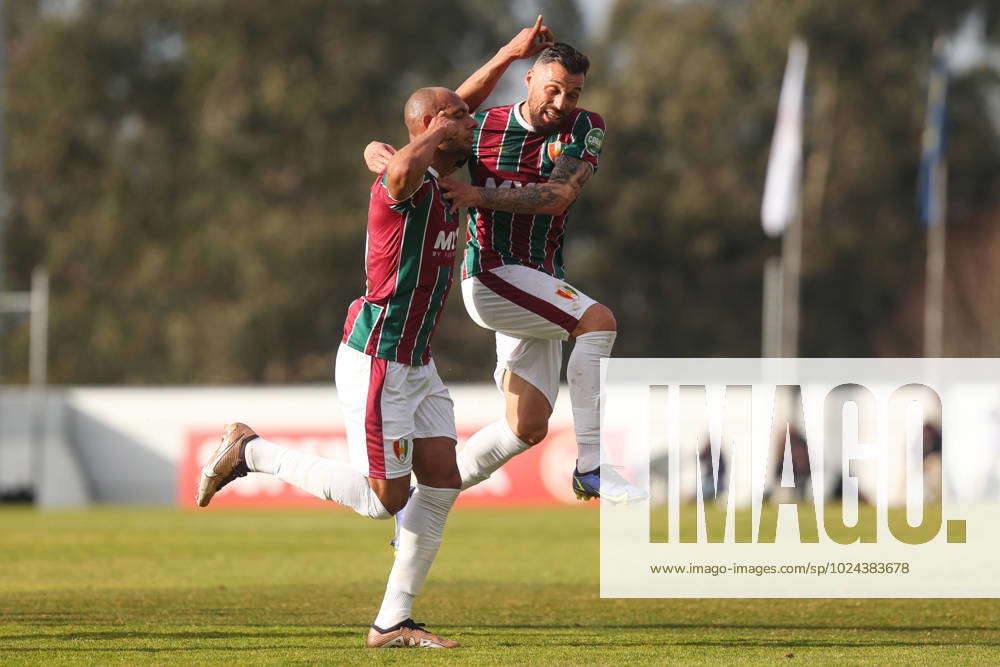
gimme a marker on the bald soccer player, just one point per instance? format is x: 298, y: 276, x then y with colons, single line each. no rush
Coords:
x: 399, y: 416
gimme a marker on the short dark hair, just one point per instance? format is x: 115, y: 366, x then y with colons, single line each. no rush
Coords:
x: 564, y: 54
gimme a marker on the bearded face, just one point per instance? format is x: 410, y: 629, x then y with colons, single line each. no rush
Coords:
x: 553, y: 93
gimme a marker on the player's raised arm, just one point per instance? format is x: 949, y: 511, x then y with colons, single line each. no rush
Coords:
x: 429, y: 129
x: 526, y: 44
x: 569, y: 175
x: 405, y: 171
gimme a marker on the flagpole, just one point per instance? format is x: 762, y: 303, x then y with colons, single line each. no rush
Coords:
x: 936, y: 255
x: 791, y: 269
x: 933, y: 198
x: 781, y: 211
x: 771, y: 312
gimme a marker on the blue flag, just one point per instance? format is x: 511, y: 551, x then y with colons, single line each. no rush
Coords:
x: 934, y: 137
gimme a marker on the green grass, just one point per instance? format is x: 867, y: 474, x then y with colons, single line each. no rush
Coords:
x: 166, y: 586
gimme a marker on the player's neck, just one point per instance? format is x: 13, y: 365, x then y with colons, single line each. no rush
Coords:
x: 446, y: 162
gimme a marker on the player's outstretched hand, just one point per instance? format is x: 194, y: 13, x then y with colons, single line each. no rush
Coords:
x: 458, y: 193
x: 530, y: 41
x: 377, y: 156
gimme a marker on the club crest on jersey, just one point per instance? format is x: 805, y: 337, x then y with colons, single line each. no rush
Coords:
x: 401, y: 448
x: 567, y: 292
x: 555, y: 149
x: 594, y: 140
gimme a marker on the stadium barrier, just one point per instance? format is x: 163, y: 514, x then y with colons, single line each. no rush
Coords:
x: 146, y: 445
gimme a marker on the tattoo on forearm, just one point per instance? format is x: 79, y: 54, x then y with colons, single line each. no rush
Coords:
x: 529, y: 199
x: 571, y: 170
x: 568, y: 171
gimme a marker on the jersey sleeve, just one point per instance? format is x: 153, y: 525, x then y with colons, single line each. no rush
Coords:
x: 586, y: 138
x: 382, y: 192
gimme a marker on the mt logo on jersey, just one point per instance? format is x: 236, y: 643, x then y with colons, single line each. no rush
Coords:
x: 445, y: 241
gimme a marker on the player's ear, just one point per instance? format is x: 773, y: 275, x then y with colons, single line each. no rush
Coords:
x: 527, y: 78
x: 425, y: 120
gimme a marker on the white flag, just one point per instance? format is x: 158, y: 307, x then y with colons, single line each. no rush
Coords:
x: 784, y: 167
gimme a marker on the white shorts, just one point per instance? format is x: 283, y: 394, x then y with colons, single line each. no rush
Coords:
x: 386, y: 406
x: 532, y: 314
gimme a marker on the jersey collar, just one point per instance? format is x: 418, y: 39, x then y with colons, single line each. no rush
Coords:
x: 520, y: 119
x: 434, y: 172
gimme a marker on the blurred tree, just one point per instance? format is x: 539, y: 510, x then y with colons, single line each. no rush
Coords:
x: 191, y: 173
x: 691, y: 100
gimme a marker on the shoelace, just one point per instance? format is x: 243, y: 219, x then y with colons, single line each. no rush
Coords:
x: 413, y: 625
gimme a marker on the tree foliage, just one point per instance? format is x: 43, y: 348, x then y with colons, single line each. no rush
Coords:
x: 190, y: 173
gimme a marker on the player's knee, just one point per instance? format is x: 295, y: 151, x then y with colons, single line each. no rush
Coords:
x: 390, y: 502
x: 453, y: 480
x: 531, y: 431
x: 391, y: 507
x: 446, y: 478
x: 597, y: 318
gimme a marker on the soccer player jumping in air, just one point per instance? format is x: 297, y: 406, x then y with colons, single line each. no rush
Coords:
x: 530, y: 162
x: 398, y: 414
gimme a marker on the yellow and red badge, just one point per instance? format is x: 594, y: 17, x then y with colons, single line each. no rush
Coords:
x: 566, y: 292
x: 555, y: 149
x: 401, y: 448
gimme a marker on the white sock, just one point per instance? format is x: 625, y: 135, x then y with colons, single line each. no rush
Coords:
x: 324, y: 478
x: 488, y: 449
x: 584, y: 376
x: 419, y: 540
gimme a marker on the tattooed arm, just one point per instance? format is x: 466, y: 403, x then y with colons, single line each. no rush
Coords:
x: 569, y: 175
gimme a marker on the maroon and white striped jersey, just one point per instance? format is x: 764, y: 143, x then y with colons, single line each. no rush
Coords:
x: 509, y: 153
x: 409, y: 264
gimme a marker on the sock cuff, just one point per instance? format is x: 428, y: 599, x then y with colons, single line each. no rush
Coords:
x: 435, y: 492
x: 598, y: 337
x: 507, y: 433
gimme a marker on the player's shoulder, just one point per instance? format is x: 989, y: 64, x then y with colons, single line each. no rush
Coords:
x: 502, y: 111
x: 585, y: 119
x: 380, y: 191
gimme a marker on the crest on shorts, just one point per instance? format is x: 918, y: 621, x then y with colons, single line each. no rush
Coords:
x: 567, y: 292
x: 555, y: 149
x: 401, y: 448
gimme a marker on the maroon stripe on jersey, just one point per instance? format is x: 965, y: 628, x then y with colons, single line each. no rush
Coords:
x: 521, y: 228
x: 488, y: 257
x: 491, y: 136
x: 352, y: 314
x: 419, y: 304
x: 520, y: 237
x: 373, y: 419
x: 539, y: 307
x: 426, y: 359
x: 553, y: 242
x: 372, y: 347
x: 531, y: 154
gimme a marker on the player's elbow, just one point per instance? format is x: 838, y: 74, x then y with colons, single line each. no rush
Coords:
x: 398, y: 177
x: 559, y: 202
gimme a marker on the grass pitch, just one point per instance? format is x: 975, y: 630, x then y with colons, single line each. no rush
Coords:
x: 514, y: 586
